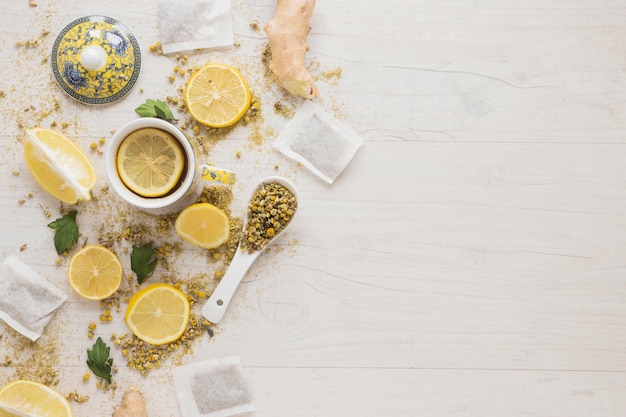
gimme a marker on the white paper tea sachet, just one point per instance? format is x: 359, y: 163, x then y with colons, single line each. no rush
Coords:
x: 213, y: 388
x: 186, y: 25
x: 27, y: 301
x: 318, y: 141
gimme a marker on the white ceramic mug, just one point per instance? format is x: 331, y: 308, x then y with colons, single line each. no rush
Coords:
x: 194, y: 172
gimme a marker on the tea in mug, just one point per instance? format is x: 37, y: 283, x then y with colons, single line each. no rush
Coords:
x: 151, y: 162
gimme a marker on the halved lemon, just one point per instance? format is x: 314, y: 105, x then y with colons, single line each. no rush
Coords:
x: 30, y: 398
x: 95, y: 272
x: 58, y: 165
x: 203, y: 225
x: 150, y: 162
x: 217, y: 95
x: 158, y: 314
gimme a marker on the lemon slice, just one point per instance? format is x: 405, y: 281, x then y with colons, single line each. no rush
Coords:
x: 150, y: 162
x: 58, y: 165
x: 158, y: 314
x: 217, y: 95
x: 203, y: 225
x: 95, y: 272
x: 29, y: 398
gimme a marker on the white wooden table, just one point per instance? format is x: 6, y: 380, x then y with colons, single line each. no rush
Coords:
x: 471, y: 261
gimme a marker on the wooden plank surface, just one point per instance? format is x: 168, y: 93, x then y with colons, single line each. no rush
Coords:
x: 469, y: 261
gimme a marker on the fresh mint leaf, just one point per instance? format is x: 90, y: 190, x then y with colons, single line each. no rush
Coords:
x: 98, y: 360
x: 65, y: 232
x: 155, y: 108
x: 160, y: 113
x: 163, y: 111
x: 146, y: 109
x: 143, y: 261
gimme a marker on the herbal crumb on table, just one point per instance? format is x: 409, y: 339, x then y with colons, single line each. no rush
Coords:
x: 76, y: 397
x: 284, y: 110
x: 37, y: 361
x: 144, y: 357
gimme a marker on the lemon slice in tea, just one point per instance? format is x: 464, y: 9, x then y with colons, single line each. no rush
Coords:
x: 150, y: 162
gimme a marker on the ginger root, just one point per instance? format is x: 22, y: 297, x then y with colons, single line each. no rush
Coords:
x: 287, y: 34
x: 133, y: 404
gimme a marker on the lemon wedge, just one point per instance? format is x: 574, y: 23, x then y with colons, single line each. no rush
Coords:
x: 158, y: 314
x: 58, y: 165
x: 203, y: 225
x: 29, y: 398
x: 95, y: 272
x: 217, y: 95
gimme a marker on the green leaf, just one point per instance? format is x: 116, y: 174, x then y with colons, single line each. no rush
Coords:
x: 160, y: 113
x: 146, y: 109
x: 163, y: 111
x: 98, y: 360
x: 155, y: 108
x: 66, y: 232
x: 143, y: 261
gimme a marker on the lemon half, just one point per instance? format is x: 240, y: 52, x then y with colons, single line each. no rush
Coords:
x: 203, y: 225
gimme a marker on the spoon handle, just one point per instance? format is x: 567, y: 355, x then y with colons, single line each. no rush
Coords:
x: 217, y: 303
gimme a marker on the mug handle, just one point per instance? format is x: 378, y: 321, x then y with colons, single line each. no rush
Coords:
x: 215, y: 174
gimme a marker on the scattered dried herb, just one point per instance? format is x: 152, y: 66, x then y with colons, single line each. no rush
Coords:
x: 98, y: 360
x: 143, y: 261
x: 155, y: 108
x: 66, y: 232
x: 144, y: 357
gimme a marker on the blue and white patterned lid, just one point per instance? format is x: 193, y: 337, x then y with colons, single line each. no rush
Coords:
x: 96, y: 60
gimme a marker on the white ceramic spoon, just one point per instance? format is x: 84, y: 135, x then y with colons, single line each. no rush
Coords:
x: 217, y: 303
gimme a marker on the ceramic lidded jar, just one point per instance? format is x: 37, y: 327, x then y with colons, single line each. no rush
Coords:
x: 96, y: 60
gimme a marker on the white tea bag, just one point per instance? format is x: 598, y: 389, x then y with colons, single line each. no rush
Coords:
x: 318, y: 141
x: 195, y: 24
x: 27, y: 301
x: 213, y: 388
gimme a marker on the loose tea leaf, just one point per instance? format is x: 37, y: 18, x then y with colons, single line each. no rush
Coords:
x: 155, y: 108
x: 143, y: 261
x: 66, y: 232
x: 98, y: 360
